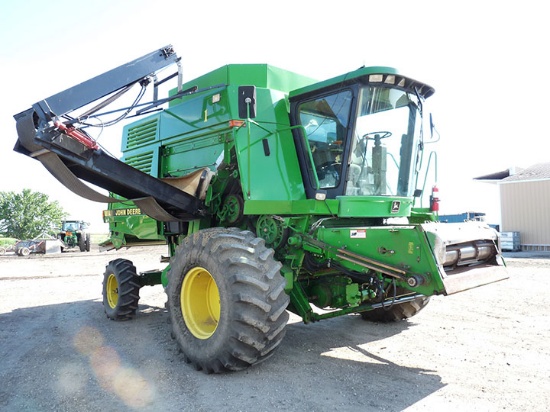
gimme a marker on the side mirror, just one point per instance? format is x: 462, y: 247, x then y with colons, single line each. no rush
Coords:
x: 247, y: 102
x: 434, y: 134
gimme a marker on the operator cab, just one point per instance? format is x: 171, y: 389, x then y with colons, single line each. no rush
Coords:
x: 360, y: 134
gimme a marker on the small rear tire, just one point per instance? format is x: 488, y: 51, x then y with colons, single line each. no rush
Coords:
x: 120, y: 290
x: 82, y: 242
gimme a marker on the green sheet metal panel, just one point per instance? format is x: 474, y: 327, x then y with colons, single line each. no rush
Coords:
x: 266, y: 152
x: 402, y: 247
x: 374, y: 206
x: 264, y: 146
x: 259, y: 75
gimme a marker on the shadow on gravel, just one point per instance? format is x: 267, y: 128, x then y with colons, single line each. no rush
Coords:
x: 360, y: 379
x: 69, y: 356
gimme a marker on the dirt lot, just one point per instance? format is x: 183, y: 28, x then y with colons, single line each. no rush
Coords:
x: 487, y: 349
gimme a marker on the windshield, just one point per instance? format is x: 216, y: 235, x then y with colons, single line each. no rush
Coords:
x: 73, y: 225
x: 385, y: 143
x: 370, y: 151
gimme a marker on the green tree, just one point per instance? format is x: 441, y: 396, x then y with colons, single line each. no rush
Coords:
x: 28, y: 214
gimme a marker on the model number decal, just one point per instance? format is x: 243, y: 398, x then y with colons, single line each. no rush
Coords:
x: 123, y: 212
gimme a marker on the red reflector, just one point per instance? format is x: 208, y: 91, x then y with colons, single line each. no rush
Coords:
x: 434, y: 199
x: 236, y: 123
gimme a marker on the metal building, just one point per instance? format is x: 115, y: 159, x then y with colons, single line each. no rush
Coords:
x: 524, y: 199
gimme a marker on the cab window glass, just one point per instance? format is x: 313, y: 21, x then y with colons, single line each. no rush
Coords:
x: 326, y: 121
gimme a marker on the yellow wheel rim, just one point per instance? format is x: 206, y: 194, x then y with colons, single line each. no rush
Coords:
x: 112, y: 291
x: 200, y: 303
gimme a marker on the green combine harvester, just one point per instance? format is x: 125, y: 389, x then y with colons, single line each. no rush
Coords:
x: 273, y: 192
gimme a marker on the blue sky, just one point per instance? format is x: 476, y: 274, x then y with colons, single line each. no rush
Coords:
x: 486, y: 61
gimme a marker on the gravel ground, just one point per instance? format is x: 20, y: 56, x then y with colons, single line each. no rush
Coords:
x: 487, y: 349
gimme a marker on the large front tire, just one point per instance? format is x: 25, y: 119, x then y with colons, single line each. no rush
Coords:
x: 120, y: 290
x: 226, y: 299
x: 396, y: 313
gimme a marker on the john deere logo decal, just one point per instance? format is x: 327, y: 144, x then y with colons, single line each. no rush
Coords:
x: 395, y: 205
